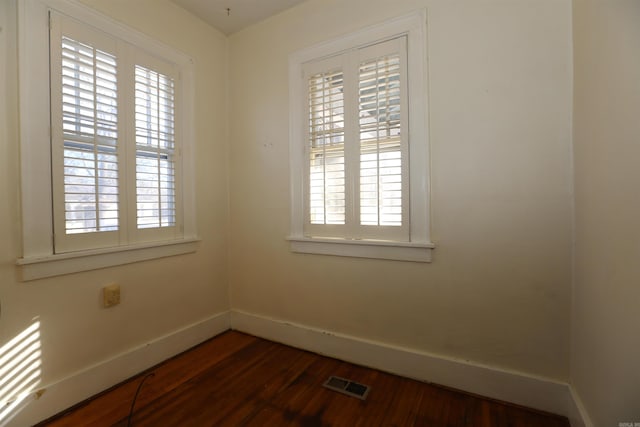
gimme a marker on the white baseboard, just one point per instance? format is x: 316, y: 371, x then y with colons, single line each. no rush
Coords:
x: 578, y: 416
x: 516, y: 387
x: 54, y: 398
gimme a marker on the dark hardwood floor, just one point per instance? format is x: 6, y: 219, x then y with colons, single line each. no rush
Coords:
x: 240, y: 380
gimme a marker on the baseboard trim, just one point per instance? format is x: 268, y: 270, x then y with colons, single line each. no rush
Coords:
x: 53, y: 398
x: 516, y: 387
x: 578, y: 416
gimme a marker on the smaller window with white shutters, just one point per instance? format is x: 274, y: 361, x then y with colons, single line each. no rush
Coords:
x: 359, y: 156
x: 357, y: 143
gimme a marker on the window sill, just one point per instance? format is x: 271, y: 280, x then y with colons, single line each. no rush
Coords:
x: 39, y: 267
x: 399, y: 251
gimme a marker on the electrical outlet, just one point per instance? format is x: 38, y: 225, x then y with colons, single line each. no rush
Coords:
x: 111, y: 295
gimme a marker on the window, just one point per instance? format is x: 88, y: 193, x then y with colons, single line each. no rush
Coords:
x: 356, y: 147
x: 118, y: 190
x: 359, y: 149
x: 96, y: 81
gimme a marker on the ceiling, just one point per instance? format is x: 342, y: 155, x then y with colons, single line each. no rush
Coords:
x: 240, y: 13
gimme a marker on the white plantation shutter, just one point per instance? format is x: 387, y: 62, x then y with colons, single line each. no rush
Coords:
x: 90, y: 131
x: 326, y: 148
x: 381, y: 162
x: 155, y: 144
x: 85, y: 136
x: 383, y: 143
x: 357, y: 147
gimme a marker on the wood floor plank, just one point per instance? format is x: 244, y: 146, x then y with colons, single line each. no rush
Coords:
x: 304, y: 400
x: 404, y: 406
x: 215, y: 393
x: 114, y: 405
x: 239, y: 380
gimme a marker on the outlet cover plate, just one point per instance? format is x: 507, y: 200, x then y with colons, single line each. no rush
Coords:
x: 111, y: 295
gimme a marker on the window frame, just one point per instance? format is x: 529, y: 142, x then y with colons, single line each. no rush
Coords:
x: 418, y: 248
x: 39, y: 258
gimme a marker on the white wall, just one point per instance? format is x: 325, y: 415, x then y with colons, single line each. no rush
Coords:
x: 159, y: 296
x: 498, y: 290
x: 605, y: 363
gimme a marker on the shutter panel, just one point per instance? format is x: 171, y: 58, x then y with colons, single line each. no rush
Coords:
x: 90, y: 133
x: 381, y: 162
x: 155, y: 142
x: 326, y: 148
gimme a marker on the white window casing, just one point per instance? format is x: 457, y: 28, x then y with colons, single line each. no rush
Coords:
x: 106, y: 137
x: 359, y: 152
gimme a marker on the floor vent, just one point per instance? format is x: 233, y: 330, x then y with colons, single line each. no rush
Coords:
x: 348, y: 387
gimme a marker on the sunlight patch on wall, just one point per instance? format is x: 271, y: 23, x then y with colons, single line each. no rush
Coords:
x: 20, y: 361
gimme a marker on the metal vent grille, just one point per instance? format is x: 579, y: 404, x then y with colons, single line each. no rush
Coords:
x: 348, y: 387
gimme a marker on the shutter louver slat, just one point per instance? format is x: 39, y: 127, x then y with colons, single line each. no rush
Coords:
x: 381, y: 162
x: 326, y: 138
x: 155, y: 138
x: 90, y: 131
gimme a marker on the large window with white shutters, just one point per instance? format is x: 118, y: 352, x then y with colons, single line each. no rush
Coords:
x: 113, y: 119
x: 359, y: 149
x: 105, y: 144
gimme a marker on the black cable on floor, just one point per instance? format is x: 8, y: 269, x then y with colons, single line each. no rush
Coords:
x: 133, y: 404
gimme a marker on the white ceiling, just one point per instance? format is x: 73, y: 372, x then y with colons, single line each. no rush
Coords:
x: 242, y: 13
